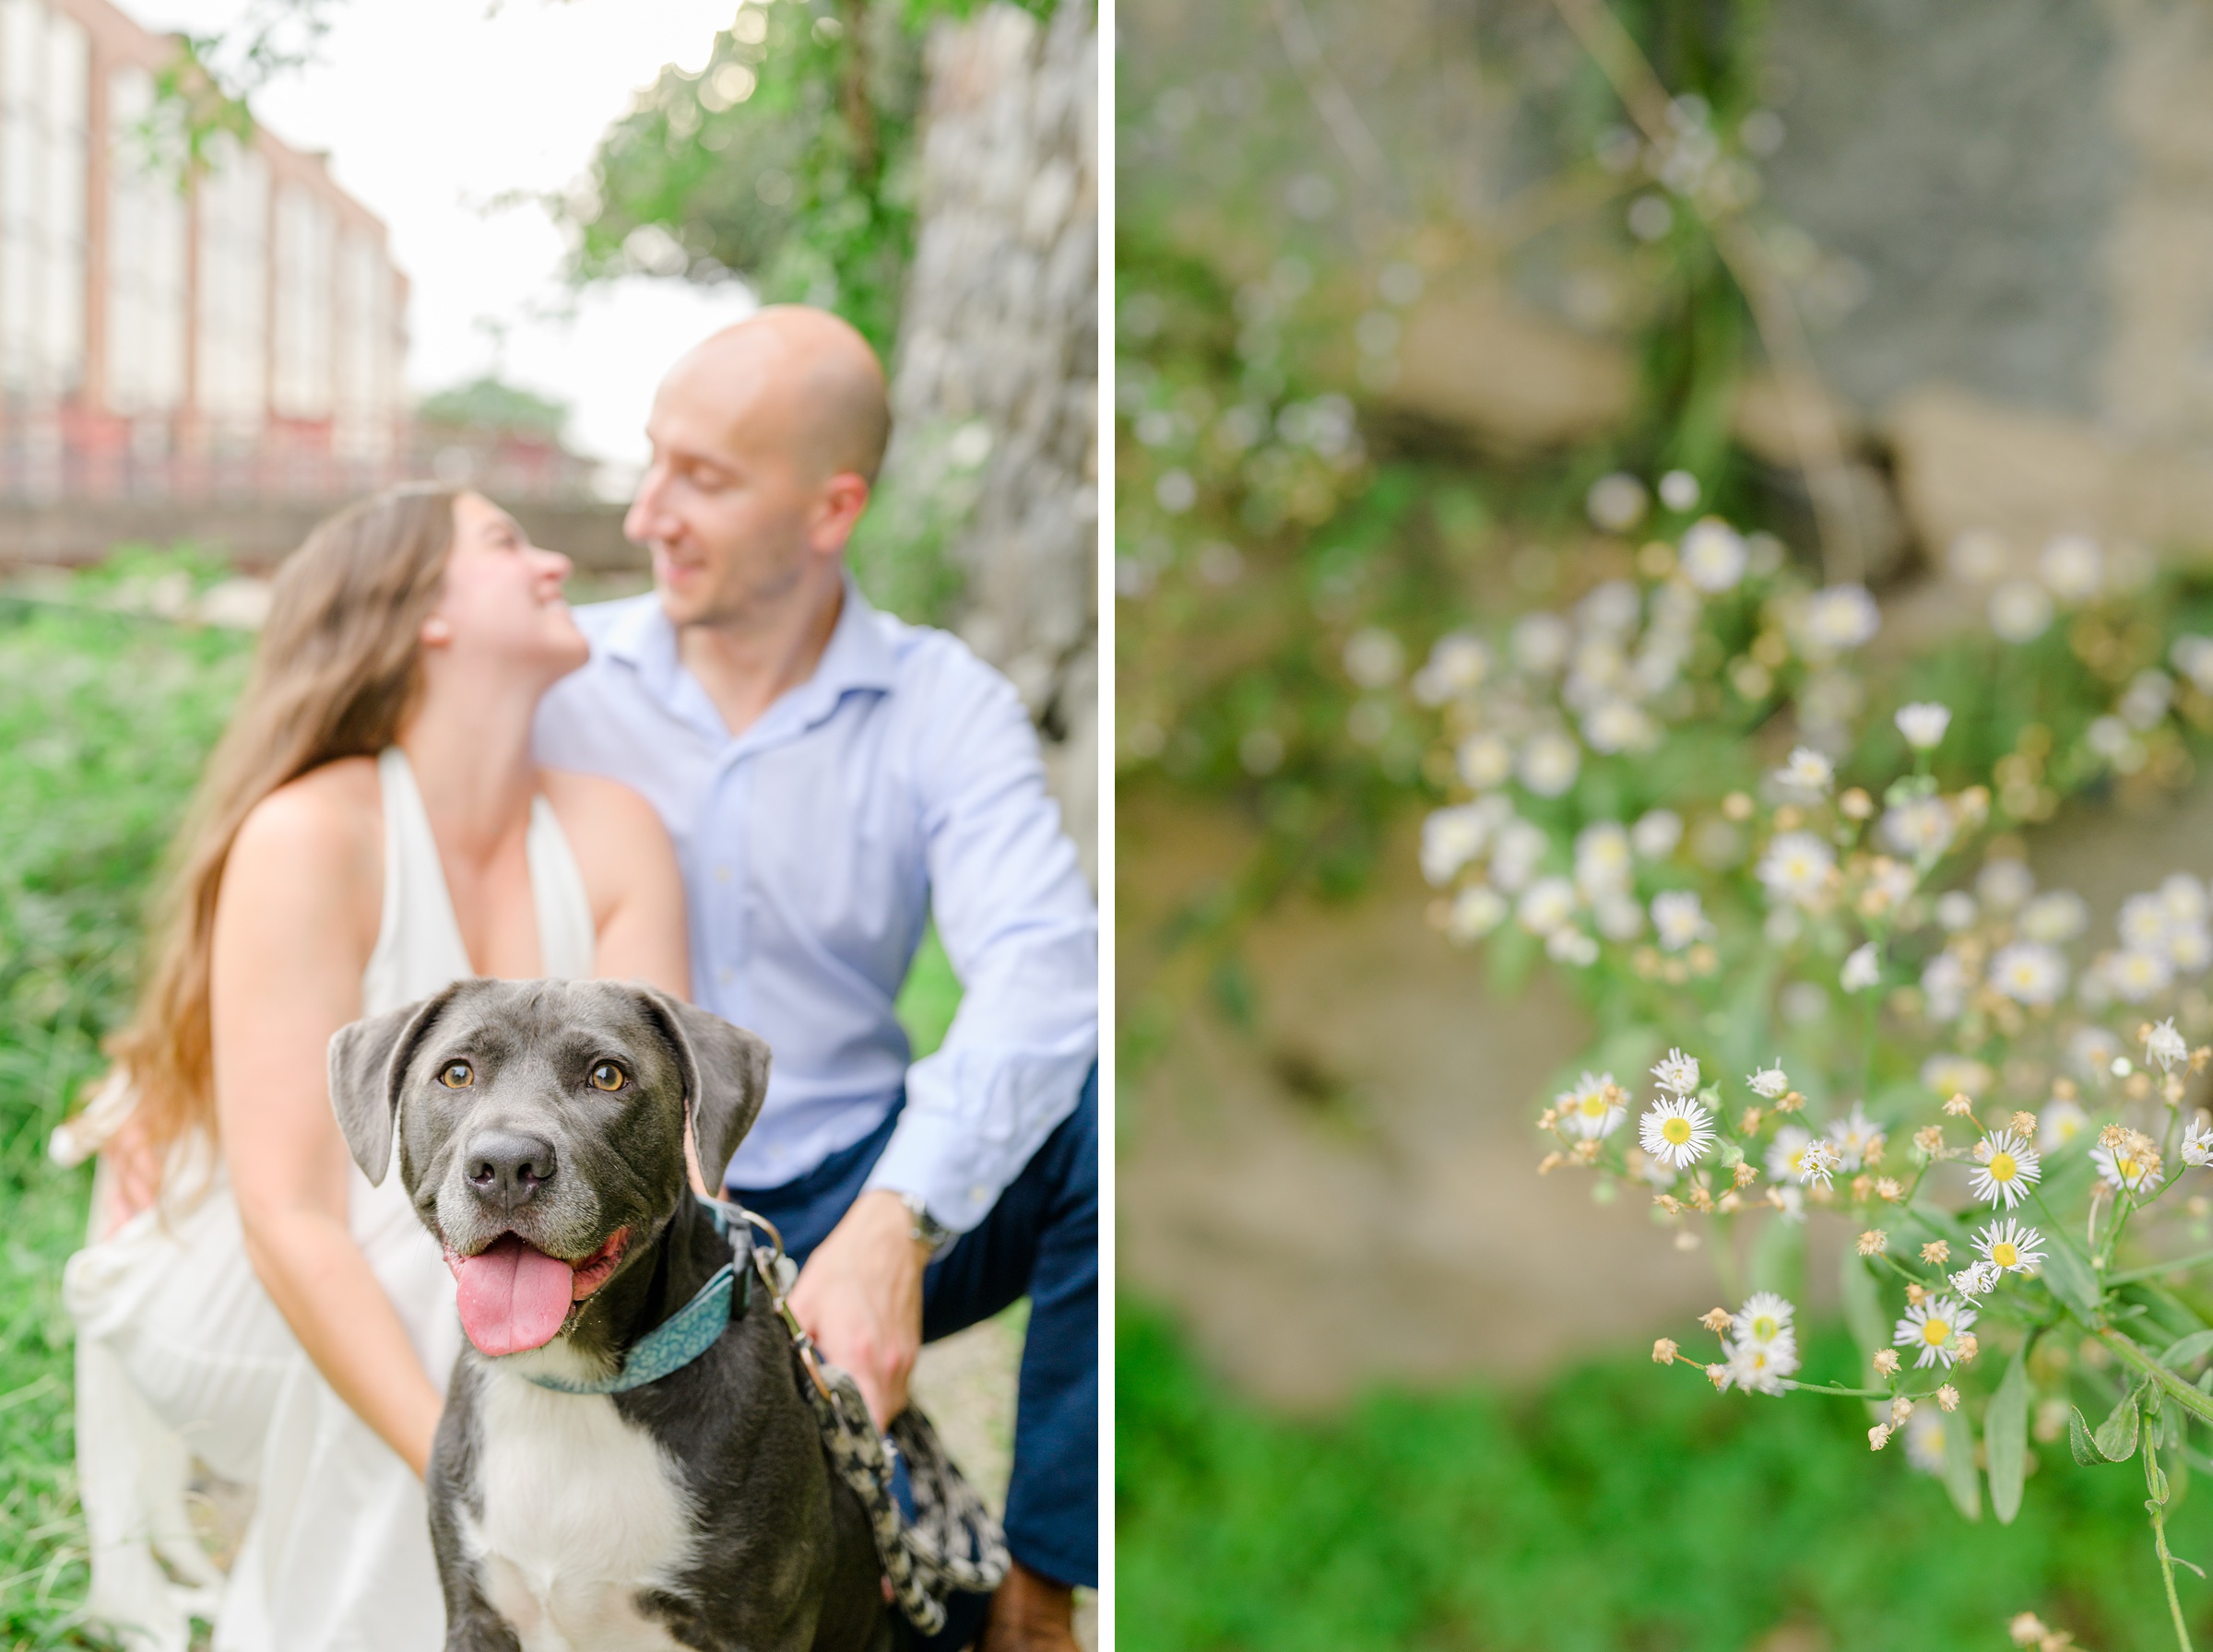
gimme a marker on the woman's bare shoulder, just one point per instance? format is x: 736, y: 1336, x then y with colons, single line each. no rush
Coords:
x: 605, y: 810
x: 327, y: 824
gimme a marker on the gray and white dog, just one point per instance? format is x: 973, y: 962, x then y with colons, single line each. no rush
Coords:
x: 542, y: 1130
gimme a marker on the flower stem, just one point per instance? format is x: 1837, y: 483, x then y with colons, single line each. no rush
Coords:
x: 2191, y: 1398
x: 2156, y: 1269
x: 2157, y: 1503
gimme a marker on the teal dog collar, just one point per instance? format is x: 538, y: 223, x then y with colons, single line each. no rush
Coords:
x: 686, y: 1334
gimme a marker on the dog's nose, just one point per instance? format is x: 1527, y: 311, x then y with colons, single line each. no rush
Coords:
x: 508, y: 1168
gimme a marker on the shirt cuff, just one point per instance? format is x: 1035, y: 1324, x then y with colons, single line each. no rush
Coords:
x: 932, y: 1156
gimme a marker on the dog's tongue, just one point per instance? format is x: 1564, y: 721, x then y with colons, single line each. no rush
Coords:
x: 512, y: 1296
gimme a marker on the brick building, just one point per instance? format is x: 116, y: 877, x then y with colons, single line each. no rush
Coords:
x: 243, y: 336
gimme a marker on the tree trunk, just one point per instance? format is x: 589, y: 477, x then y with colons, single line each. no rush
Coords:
x: 995, y: 391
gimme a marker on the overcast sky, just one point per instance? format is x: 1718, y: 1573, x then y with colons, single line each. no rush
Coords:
x: 431, y: 107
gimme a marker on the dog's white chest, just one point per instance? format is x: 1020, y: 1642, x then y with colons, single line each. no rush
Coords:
x: 581, y: 1511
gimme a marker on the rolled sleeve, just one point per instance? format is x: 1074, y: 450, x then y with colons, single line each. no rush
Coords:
x: 1021, y: 930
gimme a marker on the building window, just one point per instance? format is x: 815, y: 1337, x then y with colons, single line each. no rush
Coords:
x: 365, y: 326
x: 146, y: 259
x: 306, y: 250
x: 43, y: 71
x: 233, y: 378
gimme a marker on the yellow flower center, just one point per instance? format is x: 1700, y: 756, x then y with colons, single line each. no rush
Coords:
x: 2002, y: 1167
x: 1764, y: 1327
x: 1676, y: 1130
x: 2127, y: 1167
x: 1593, y: 1104
x: 2005, y: 1254
x: 1934, y: 1331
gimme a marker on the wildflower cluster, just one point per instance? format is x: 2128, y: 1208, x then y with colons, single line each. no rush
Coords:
x: 1872, y: 1008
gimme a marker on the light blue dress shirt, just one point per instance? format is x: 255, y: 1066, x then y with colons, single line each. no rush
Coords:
x: 902, y: 780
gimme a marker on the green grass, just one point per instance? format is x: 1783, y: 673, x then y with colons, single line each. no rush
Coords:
x: 1619, y: 1507
x: 104, y: 722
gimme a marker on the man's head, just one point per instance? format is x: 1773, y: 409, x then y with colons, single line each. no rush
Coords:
x: 765, y: 441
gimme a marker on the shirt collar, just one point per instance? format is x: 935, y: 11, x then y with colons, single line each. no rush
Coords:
x: 858, y: 655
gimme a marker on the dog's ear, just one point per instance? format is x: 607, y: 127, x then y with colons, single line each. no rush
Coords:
x: 724, y: 1071
x: 367, y: 1061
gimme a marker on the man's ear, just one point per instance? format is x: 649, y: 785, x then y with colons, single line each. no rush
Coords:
x: 368, y: 1060
x: 724, y: 1071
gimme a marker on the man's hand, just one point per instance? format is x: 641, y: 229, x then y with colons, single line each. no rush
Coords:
x: 860, y: 1298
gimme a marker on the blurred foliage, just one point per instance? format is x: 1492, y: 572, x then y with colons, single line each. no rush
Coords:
x: 491, y: 404
x: 105, y: 719
x: 788, y: 160
x: 1615, y: 1506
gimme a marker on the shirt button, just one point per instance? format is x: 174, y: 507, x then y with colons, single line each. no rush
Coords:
x: 979, y: 1194
x: 722, y: 874
x: 725, y: 975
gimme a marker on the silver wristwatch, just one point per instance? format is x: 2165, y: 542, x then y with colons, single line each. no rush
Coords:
x: 928, y: 1230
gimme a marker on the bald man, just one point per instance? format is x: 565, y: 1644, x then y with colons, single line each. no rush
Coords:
x: 834, y: 780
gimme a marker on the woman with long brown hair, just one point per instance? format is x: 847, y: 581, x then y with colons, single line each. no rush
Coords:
x: 370, y: 828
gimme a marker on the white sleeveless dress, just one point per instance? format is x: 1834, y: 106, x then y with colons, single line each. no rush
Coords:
x: 181, y: 1354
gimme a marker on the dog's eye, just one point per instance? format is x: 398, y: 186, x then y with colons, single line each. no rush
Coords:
x: 456, y: 1075
x: 607, y: 1076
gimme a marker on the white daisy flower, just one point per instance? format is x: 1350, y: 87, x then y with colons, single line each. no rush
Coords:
x: 1676, y: 1131
x: 2007, y: 1167
x: 1837, y: 620
x: 1818, y: 1163
x: 1797, y: 867
x: 1977, y: 1278
x: 1923, y: 723
x: 2143, y: 922
x: 2166, y: 1046
x: 1859, y: 1141
x: 1679, y: 919
x: 1765, y: 1319
x: 1786, y: 1153
x: 1677, y: 1072
x: 1948, y: 1075
x: 2074, y: 567
x: 2197, y: 1142
x: 2020, y: 612
x: 2121, y: 1169
x: 1616, y: 725
x: 2031, y: 972
x: 1656, y: 833
x: 1944, y: 984
x: 1516, y: 852
x: 2060, y: 1121
x: 1603, y: 858
x: 1925, y: 1439
x: 1759, y: 1367
x: 1807, y: 772
x: 2010, y: 1247
x: 1611, y: 608
x: 1933, y: 1327
x: 1569, y: 945
x: 1484, y: 760
x: 1550, y: 762
x: 2090, y: 1051
x: 1452, y: 838
x: 1541, y: 643
x: 1593, y: 1109
x: 2058, y: 916
x: 2003, y: 884
x: 2134, y: 975
x: 1771, y: 1083
x: 2185, y: 898
x: 1862, y: 969
x: 1921, y: 826
x: 1619, y: 917
x: 1545, y: 905
x: 1955, y: 910
x: 2190, y: 948
x: 1712, y: 555
x: 1476, y: 911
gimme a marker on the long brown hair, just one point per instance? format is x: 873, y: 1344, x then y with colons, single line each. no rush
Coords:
x: 335, y: 675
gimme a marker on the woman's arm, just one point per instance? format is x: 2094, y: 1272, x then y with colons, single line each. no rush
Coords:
x: 294, y: 925
x: 629, y: 868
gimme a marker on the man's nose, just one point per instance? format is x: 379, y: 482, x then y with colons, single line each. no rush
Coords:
x: 507, y: 1168
x: 646, y: 520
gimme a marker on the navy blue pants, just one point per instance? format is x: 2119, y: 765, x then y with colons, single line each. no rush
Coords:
x: 1041, y: 1240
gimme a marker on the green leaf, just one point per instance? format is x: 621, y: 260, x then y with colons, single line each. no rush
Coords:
x: 2080, y: 1440
x: 1960, y: 1477
x: 2196, y: 1346
x: 2005, y: 1438
x: 2116, y: 1438
x: 1863, y: 1305
x: 2071, y: 1281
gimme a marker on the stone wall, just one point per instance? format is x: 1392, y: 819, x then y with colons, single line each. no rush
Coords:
x: 994, y: 460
